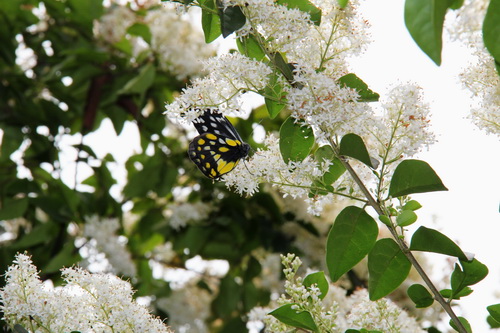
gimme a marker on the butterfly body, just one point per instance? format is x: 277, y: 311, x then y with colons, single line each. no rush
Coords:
x: 218, y: 148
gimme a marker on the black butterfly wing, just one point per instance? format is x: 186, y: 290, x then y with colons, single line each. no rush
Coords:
x: 217, y: 124
x: 216, y: 155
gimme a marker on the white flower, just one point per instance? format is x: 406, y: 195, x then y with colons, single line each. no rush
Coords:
x: 180, y: 47
x: 230, y: 76
x: 103, y: 232
x: 113, y: 26
x: 87, y: 303
x: 182, y: 214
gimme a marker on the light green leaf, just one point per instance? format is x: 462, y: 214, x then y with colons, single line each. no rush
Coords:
x: 388, y: 267
x: 464, y: 322
x: 350, y: 239
x: 210, y: 21
x: 406, y: 218
x: 414, y: 176
x: 140, y: 30
x: 494, y: 311
x: 296, y: 141
x: 140, y: 83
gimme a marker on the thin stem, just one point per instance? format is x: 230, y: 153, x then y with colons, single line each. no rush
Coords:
x: 401, y: 243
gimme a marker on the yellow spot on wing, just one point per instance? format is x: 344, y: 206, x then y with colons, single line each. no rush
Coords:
x: 225, y: 167
x: 210, y: 136
x: 201, y: 142
x: 207, y: 165
x: 233, y: 142
x: 213, y: 173
x: 223, y: 149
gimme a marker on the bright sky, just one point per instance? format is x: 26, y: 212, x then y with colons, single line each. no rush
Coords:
x: 466, y: 159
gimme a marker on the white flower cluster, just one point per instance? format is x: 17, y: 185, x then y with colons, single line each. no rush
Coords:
x: 175, y: 41
x: 181, y: 214
x: 87, y: 303
x: 267, y: 166
x: 404, y: 127
x: 481, y: 77
x: 337, y: 312
x: 230, y: 76
x: 105, y: 239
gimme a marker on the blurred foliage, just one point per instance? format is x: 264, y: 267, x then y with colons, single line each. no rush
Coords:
x: 37, y: 109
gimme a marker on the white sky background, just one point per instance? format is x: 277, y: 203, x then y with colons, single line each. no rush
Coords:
x: 466, y: 159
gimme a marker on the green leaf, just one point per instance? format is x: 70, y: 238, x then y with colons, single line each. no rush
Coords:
x: 210, y: 22
x: 492, y: 322
x: 228, y: 297
x: 41, y: 234
x: 290, y: 317
x: 352, y: 81
x: 406, y: 218
x: 470, y: 274
x: 250, y: 47
x: 464, y: 322
x: 140, y: 83
x: 335, y: 170
x: 414, y: 176
x: 279, y: 62
x: 304, y: 6
x: 275, y: 96
x: 424, y: 20
x: 412, y: 205
x: 319, y: 279
x: 420, y: 296
x: 388, y: 267
x: 448, y: 293
x: 12, y: 208
x: 140, y: 30
x: 456, y: 4
x: 296, y: 141
x: 231, y: 19
x: 19, y: 329
x: 353, y: 146
x: 491, y: 29
x: 385, y: 220
x: 68, y: 256
x: 430, y: 240
x: 494, y: 311
x: 350, y: 239
x: 342, y: 3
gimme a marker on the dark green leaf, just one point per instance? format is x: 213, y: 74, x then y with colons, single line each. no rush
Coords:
x: 231, y: 19
x: 319, y: 279
x: 290, y: 317
x: 406, y: 218
x: 210, y: 21
x: 352, y: 81
x: 491, y: 29
x: 430, y: 240
x: 42, y: 233
x: 12, y: 208
x: 424, y: 20
x: 456, y: 4
x: 140, y: 83
x: 470, y: 274
x: 420, y: 296
x: 279, y: 62
x: 350, y: 239
x: 448, y: 293
x: 464, y: 322
x: 492, y: 322
x: 414, y: 176
x: 67, y: 257
x: 228, y: 297
x: 353, y: 146
x: 388, y: 267
x: 296, y: 141
x: 304, y: 6
x: 140, y: 30
x: 494, y: 311
x: 19, y: 329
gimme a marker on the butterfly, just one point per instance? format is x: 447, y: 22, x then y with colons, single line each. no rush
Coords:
x: 219, y: 147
